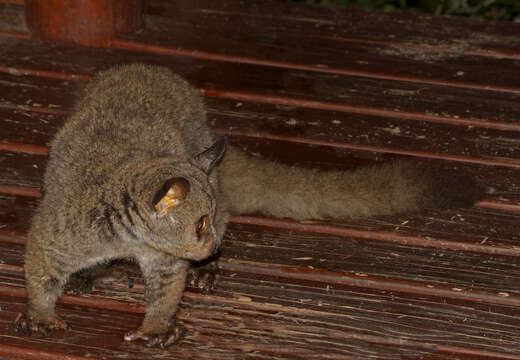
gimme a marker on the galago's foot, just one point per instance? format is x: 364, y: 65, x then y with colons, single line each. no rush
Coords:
x: 201, y: 278
x: 162, y: 339
x: 29, y: 324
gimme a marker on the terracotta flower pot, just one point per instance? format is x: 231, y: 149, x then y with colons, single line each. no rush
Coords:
x: 86, y: 22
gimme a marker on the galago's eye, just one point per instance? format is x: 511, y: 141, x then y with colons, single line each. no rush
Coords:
x: 201, y: 225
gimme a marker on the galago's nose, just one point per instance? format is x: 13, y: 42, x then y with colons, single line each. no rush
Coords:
x: 216, y: 248
x: 216, y: 244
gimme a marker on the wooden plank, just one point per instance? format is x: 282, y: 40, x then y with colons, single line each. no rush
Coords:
x: 327, y: 48
x: 15, y: 213
x: 305, y: 302
x: 264, y: 311
x: 351, y: 24
x: 13, y: 2
x: 41, y: 94
x: 103, y: 338
x: 30, y: 127
x: 340, y: 130
x: 502, y: 180
x: 456, y: 274
x: 21, y: 169
x: 333, y: 128
x: 465, y: 107
x: 310, y: 302
x: 221, y: 321
x: 456, y: 270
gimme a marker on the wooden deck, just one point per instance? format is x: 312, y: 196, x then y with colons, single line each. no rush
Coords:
x: 316, y: 86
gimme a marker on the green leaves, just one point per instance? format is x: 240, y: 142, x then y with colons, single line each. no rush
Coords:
x: 508, y: 10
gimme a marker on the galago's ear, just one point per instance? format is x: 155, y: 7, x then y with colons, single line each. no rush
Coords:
x: 207, y: 159
x: 171, y: 194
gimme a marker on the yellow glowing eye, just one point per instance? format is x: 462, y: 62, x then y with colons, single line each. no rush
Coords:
x: 201, y: 225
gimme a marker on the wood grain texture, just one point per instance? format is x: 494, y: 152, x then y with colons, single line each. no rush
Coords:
x: 330, y: 51
x: 286, y: 86
x: 351, y: 24
x: 316, y: 314
x: 219, y: 328
x: 334, y: 129
x: 379, y: 263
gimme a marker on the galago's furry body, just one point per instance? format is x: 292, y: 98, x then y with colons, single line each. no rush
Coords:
x: 133, y: 175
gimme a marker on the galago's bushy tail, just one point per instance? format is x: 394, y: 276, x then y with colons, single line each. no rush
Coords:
x: 257, y: 186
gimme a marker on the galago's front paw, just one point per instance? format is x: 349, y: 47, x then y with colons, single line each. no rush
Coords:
x: 162, y: 339
x: 28, y: 324
x: 201, y: 278
x: 79, y: 284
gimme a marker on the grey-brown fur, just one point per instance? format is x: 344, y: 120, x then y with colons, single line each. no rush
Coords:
x: 136, y: 128
x: 280, y: 190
